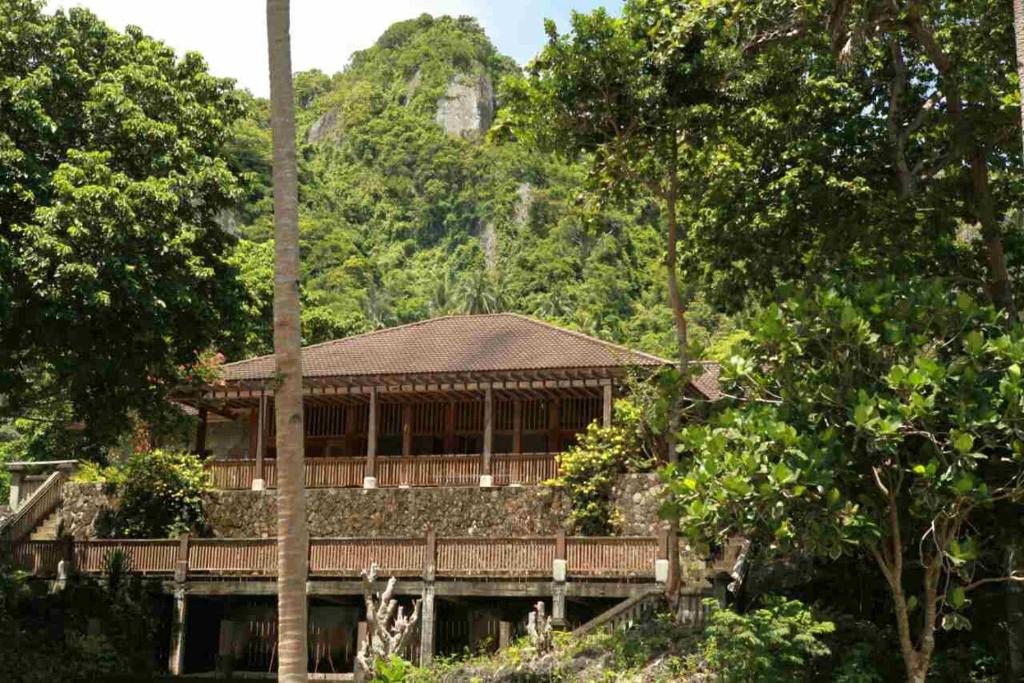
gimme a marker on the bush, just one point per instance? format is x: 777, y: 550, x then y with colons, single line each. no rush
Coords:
x: 773, y: 643
x: 158, y: 492
x: 588, y: 468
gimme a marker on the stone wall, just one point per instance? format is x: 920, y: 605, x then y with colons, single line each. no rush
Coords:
x: 507, y: 511
x: 460, y: 511
x: 636, y: 499
x: 82, y: 506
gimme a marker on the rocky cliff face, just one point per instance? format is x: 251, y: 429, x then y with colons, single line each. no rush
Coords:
x: 467, y: 107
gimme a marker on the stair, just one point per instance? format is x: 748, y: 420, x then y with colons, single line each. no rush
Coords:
x: 626, y: 613
x: 47, y: 529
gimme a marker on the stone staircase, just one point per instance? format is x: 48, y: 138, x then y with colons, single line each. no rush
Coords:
x: 47, y: 529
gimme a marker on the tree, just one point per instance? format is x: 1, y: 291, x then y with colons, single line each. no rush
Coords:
x: 882, y: 420
x: 605, y: 92
x: 112, y: 175
x: 388, y: 631
x: 292, y: 532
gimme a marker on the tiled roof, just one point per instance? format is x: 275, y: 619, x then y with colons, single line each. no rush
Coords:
x: 459, y: 343
x: 706, y: 380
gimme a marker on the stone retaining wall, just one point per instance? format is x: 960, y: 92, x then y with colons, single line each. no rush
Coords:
x: 636, y: 499
x: 458, y: 511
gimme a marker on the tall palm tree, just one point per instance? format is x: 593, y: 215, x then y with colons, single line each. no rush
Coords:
x: 292, y: 534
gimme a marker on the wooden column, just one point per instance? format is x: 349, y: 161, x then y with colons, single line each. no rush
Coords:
x: 201, y: 432
x: 450, y: 441
x: 350, y: 430
x: 485, y: 477
x: 370, y: 475
x: 254, y: 418
x: 517, y: 426
x: 554, y: 425
x: 428, y: 616
x: 176, y: 658
x: 407, y: 429
x: 258, y: 482
x: 606, y: 412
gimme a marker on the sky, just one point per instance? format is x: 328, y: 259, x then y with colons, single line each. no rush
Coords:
x: 231, y: 34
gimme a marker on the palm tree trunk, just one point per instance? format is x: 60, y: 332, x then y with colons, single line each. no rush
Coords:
x: 292, y: 534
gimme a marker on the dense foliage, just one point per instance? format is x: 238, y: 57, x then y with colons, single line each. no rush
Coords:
x: 158, y: 494
x: 112, y: 175
x: 879, y: 419
x: 587, y: 469
x: 773, y: 643
x: 86, y: 632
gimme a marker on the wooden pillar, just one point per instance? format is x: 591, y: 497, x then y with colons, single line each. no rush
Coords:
x: 504, y: 634
x: 606, y: 413
x: 258, y: 483
x: 428, y: 616
x: 554, y: 425
x: 370, y: 475
x: 14, y: 495
x: 485, y: 477
x: 450, y: 441
x: 254, y: 419
x: 201, y: 432
x: 517, y: 426
x: 176, y: 658
x: 407, y: 429
x: 362, y: 633
x: 350, y: 430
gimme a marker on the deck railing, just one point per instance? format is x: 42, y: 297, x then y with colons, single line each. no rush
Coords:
x: 393, y: 470
x: 457, y: 557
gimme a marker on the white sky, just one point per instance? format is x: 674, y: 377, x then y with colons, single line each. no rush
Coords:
x: 231, y: 34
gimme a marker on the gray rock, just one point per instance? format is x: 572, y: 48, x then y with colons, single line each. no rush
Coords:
x: 467, y: 107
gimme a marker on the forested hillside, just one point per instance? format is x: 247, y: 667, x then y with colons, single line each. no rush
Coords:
x: 410, y: 209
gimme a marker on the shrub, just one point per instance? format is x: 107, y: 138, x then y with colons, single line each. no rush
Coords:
x: 775, y: 642
x: 588, y: 468
x: 158, y: 492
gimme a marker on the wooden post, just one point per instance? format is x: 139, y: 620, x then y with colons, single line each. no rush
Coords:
x: 428, y: 617
x: 449, y: 436
x: 370, y: 475
x: 606, y: 414
x: 504, y: 634
x: 201, y: 433
x: 362, y: 633
x: 254, y: 425
x: 554, y: 425
x: 14, y: 496
x: 176, y: 657
x: 517, y: 426
x: 407, y: 430
x: 350, y: 430
x: 485, y: 477
x: 258, y: 483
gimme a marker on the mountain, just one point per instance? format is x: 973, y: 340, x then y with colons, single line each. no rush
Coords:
x: 408, y: 210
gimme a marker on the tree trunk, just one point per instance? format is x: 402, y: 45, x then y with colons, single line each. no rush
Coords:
x: 292, y: 534
x: 672, y: 585
x: 1018, y: 31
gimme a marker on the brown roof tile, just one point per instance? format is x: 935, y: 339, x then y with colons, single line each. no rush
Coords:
x: 459, y: 343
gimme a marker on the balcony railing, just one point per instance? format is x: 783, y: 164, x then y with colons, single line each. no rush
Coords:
x: 629, y: 558
x: 391, y: 471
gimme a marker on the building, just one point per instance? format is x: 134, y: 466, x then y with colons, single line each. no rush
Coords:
x: 426, y: 447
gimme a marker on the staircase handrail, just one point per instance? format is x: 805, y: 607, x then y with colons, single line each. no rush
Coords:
x: 631, y: 609
x: 41, y: 503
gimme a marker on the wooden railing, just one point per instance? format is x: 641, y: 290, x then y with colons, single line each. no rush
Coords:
x: 623, y: 615
x: 392, y: 471
x: 143, y: 557
x: 461, y: 557
x: 43, y: 501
